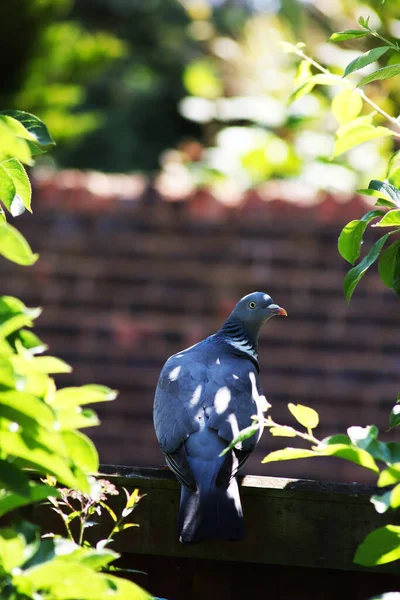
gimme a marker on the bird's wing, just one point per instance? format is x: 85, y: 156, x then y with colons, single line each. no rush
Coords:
x: 236, y: 398
x: 176, y: 406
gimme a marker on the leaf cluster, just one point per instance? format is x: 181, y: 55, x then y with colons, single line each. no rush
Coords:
x: 40, y: 425
x: 354, y: 129
x: 361, y: 444
x: 52, y: 568
x: 84, y: 507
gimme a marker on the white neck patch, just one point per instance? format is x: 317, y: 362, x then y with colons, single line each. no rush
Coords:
x: 243, y: 345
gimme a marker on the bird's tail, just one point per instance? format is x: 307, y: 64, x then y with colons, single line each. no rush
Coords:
x: 212, y: 512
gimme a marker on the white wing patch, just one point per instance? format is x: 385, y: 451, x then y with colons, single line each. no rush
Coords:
x: 262, y: 403
x: 195, y: 399
x: 222, y: 399
x: 173, y: 375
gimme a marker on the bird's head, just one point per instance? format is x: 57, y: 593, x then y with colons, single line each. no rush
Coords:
x: 244, y: 324
x: 256, y: 308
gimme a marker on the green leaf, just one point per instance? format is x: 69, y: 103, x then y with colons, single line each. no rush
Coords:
x: 110, y: 512
x: 31, y: 342
x: 350, y: 239
x: 14, y: 246
x: 355, y: 274
x: 379, y: 547
x: 308, y: 417
x: 7, y: 377
x: 390, y: 475
x: 346, y: 106
x: 81, y: 451
x: 362, y: 436
x: 243, y: 435
x: 393, y: 170
x: 32, y: 451
x: 393, y: 449
x: 124, y: 589
x: 95, y: 559
x: 364, y: 22
x: 11, y: 325
x: 77, y: 418
x: 48, y: 549
x: 73, y: 515
x: 15, y: 127
x: 380, y: 201
x: 11, y: 145
x: 384, y: 73
x: 63, y: 576
x: 57, y: 578
x: 86, y: 394
x: 12, y: 546
x: 132, y: 499
x: 385, y: 189
x: 387, y: 264
x: 357, y: 132
x: 366, y: 439
x: 125, y: 526
x: 353, y: 454
x: 10, y: 306
x: 22, y: 195
x: 382, y: 502
x: 37, y: 493
x: 13, y: 479
x: 50, y: 364
x: 7, y: 189
x: 308, y: 85
x: 38, y: 131
x: 391, y: 219
x: 283, y: 431
x: 394, y: 420
x: 395, y: 497
x: 288, y: 454
x: 303, y: 73
x: 349, y: 34
x: 40, y: 364
x: 365, y: 59
x: 201, y: 79
x: 20, y: 403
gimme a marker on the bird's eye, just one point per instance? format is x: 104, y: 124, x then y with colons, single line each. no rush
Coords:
x: 252, y: 304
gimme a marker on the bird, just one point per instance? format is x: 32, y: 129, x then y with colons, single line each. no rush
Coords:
x: 204, y: 397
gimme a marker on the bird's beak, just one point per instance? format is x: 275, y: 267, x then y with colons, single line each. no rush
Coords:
x: 277, y: 310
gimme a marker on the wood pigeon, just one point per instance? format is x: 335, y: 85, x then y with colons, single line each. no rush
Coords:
x: 206, y: 395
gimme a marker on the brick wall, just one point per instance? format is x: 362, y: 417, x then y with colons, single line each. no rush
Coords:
x: 126, y: 278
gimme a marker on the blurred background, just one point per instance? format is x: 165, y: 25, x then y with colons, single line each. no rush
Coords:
x: 180, y: 182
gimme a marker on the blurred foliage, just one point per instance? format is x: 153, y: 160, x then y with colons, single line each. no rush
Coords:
x: 238, y: 90
x: 49, y: 62
x: 138, y: 96
x: 122, y: 81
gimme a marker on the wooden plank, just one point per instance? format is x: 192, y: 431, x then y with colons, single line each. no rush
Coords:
x: 288, y: 522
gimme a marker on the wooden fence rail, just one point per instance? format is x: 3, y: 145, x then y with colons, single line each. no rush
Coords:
x: 300, y: 541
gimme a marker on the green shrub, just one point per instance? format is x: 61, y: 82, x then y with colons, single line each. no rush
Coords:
x: 39, y: 425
